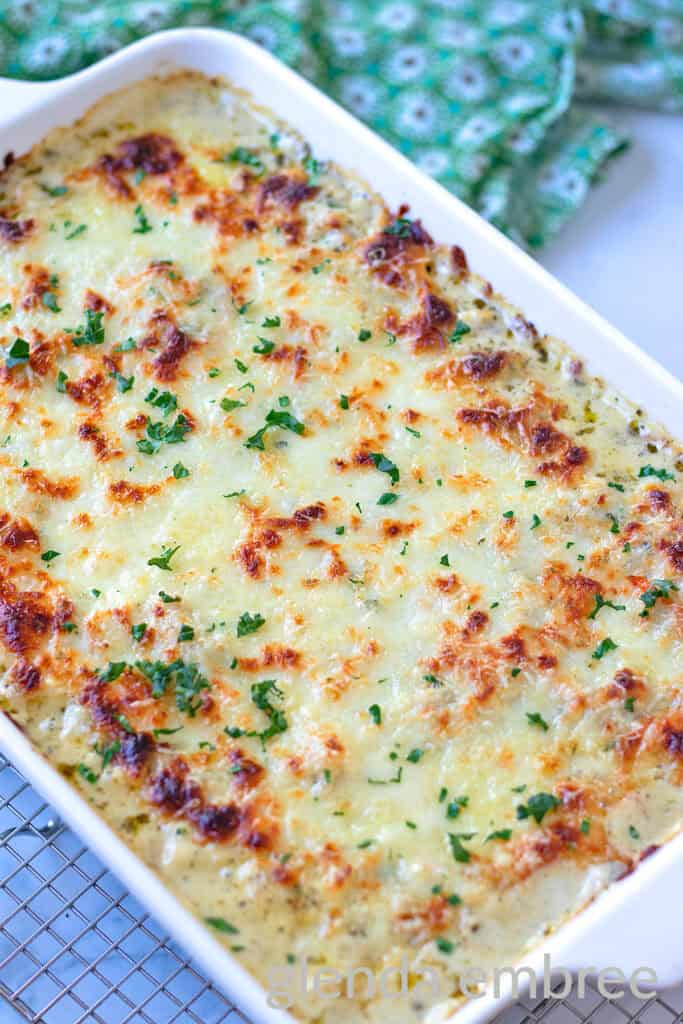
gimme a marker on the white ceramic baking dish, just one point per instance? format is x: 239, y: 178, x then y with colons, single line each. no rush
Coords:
x: 636, y: 922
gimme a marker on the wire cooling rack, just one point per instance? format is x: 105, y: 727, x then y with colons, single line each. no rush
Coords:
x: 76, y: 948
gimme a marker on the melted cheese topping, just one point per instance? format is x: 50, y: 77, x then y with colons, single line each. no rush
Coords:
x: 350, y: 601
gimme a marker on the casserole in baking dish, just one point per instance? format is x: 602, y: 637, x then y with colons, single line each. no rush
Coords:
x: 344, y: 595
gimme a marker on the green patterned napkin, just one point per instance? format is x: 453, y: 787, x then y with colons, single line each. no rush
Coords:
x: 481, y: 94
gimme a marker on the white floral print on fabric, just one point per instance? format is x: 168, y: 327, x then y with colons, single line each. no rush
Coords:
x: 479, y: 93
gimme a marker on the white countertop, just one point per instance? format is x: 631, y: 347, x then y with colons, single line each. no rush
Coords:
x: 623, y: 252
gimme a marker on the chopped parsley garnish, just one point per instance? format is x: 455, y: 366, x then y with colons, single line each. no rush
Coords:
x: 164, y: 400
x: 271, y: 321
x: 444, y: 561
x: 260, y: 695
x: 125, y: 724
x: 161, y: 433
x: 614, y: 528
x: 241, y: 155
x: 535, y: 718
x: 600, y: 602
x: 112, y: 672
x: 264, y: 347
x: 18, y: 353
x: 433, y: 680
x: 387, y: 498
x: 460, y: 330
x: 343, y: 401
x: 87, y: 774
x: 163, y: 561
x: 444, y: 945
x: 509, y: 515
x: 186, y: 679
x: 180, y: 471
x: 5, y: 309
x: 126, y: 346
x: 364, y: 335
x: 661, y: 474
x: 459, y: 852
x: 76, y: 232
x: 386, y: 782
x: 630, y: 704
x: 365, y: 844
x: 502, y: 834
x: 275, y: 418
x: 616, y: 486
x: 456, y: 805
x: 142, y: 224
x: 415, y: 433
x: 91, y: 333
x: 401, y: 227
x: 185, y: 634
x: 375, y: 713
x: 535, y: 521
x: 515, y: 672
x: 385, y: 465
x: 138, y: 630
x: 53, y: 190
x: 49, y: 300
x: 633, y: 832
x: 123, y: 383
x: 221, y: 925
x: 415, y: 755
x: 339, y: 530
x: 657, y: 589
x: 585, y: 826
x: 319, y: 267
x: 537, y: 806
x: 603, y: 648
x: 167, y: 598
x: 47, y: 556
x: 248, y: 623
x: 228, y: 404
x: 214, y: 372
x: 167, y: 732
x: 530, y: 483
x: 108, y: 753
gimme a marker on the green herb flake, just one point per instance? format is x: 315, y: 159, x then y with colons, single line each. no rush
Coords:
x: 461, y: 329
x: 18, y: 354
x: 221, y: 925
x: 48, y: 556
x: 658, y: 589
x: 364, y: 335
x: 385, y: 465
x: 661, y: 474
x: 138, y: 630
x: 387, y: 498
x: 415, y: 755
x: 501, y: 834
x: 603, y: 648
x: 143, y: 226
x: 600, y: 602
x: 343, y: 401
x: 534, y: 718
x: 180, y: 471
x: 375, y: 713
x: 248, y: 623
x: 537, y: 807
x: 87, y: 774
x: 455, y: 839
x: 91, y: 333
x: 163, y: 561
